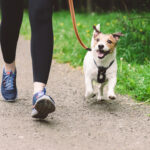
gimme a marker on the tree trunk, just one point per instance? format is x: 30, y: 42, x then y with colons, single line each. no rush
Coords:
x: 125, y: 5
x: 89, y: 5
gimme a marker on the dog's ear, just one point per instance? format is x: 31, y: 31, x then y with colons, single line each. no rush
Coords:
x: 98, y: 27
x: 96, y: 30
x: 117, y: 35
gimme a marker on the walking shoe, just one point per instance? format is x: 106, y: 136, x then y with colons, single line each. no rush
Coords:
x: 8, y: 86
x: 42, y: 105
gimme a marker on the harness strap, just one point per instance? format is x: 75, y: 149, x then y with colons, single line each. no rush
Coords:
x: 72, y: 11
x: 101, y: 76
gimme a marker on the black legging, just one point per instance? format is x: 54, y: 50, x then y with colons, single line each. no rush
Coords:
x: 40, y: 13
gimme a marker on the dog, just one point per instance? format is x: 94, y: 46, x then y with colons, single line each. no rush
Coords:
x: 100, y: 64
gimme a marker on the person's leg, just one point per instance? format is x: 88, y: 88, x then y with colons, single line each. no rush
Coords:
x: 12, y: 12
x: 41, y: 41
x: 41, y: 51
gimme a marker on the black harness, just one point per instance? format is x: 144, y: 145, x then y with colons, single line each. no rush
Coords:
x: 101, y: 76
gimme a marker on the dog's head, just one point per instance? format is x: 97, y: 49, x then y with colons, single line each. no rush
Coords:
x: 103, y: 44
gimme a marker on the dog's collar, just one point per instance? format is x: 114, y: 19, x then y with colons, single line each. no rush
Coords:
x: 101, y: 76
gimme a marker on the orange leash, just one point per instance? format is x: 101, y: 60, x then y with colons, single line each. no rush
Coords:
x: 72, y: 11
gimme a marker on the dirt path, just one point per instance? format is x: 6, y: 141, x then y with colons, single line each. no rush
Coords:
x: 76, y: 124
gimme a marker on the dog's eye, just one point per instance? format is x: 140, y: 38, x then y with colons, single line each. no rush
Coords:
x: 97, y: 40
x: 109, y: 41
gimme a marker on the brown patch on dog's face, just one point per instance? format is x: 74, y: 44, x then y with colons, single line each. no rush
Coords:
x: 111, y: 42
x: 107, y: 40
x: 97, y: 39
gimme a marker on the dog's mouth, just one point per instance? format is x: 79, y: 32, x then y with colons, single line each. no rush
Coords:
x: 102, y: 53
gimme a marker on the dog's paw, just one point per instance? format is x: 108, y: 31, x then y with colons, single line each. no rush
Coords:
x: 100, y: 98
x: 112, y: 96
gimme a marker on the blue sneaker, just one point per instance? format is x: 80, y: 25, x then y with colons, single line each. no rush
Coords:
x: 42, y: 105
x: 8, y: 86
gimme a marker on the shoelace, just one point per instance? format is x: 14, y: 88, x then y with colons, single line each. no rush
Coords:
x: 9, y: 81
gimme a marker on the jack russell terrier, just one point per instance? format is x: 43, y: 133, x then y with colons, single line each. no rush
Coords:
x: 100, y: 64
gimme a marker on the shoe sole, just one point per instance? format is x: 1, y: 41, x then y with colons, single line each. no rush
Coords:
x: 9, y: 100
x: 44, y: 106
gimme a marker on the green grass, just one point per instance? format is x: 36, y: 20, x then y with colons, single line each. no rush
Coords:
x: 133, y: 48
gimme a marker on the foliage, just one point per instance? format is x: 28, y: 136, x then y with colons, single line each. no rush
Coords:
x: 134, y: 80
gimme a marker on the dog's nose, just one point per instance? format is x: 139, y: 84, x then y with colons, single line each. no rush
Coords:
x: 100, y: 46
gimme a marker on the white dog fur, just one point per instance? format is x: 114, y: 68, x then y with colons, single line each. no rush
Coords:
x: 91, y: 70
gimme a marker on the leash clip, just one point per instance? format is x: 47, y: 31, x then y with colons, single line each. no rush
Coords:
x: 88, y: 49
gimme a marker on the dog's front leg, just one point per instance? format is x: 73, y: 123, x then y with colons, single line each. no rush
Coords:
x: 89, y: 93
x: 111, y: 87
x: 100, y: 92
